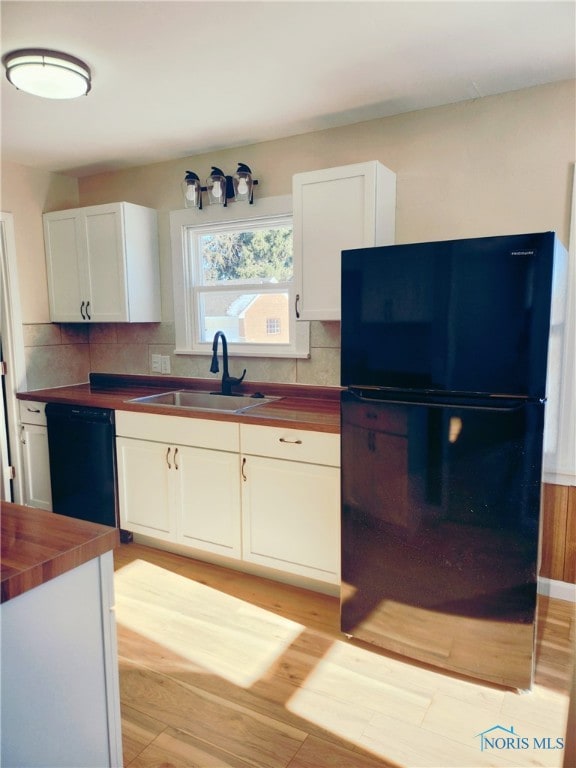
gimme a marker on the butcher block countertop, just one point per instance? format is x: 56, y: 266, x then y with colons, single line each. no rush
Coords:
x: 301, y: 406
x: 38, y: 546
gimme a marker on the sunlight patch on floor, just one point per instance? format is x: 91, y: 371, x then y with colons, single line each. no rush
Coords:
x: 400, y: 712
x: 349, y: 686
x: 221, y: 634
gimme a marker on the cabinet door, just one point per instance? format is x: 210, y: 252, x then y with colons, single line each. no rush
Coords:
x: 88, y: 253
x: 145, y: 488
x: 64, y: 265
x: 337, y: 209
x: 208, y: 500
x: 291, y: 516
x: 36, y: 465
x: 106, y: 268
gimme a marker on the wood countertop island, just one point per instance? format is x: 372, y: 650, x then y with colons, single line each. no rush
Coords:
x: 38, y: 546
x: 60, y: 696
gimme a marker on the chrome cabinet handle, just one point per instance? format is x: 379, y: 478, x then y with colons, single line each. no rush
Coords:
x: 22, y: 433
x: 168, y: 458
x: 242, y: 470
x: 291, y: 442
x: 296, y: 302
x: 176, y: 458
x: 88, y: 313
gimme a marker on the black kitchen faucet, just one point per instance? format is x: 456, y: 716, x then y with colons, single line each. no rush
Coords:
x: 227, y: 380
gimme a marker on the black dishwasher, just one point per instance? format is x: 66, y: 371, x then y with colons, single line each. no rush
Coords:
x: 81, y: 444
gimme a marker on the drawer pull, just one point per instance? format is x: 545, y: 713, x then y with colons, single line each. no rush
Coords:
x: 292, y: 442
x: 33, y: 410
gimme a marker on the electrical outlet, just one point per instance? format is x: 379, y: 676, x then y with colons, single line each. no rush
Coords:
x: 156, y: 363
x: 165, y: 363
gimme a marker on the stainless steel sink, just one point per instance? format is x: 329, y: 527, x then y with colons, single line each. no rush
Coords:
x: 204, y: 401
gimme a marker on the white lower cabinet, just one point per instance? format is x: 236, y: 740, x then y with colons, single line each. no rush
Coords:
x: 291, y: 501
x: 35, y: 458
x: 263, y: 495
x: 178, y: 480
x: 145, y: 488
x: 209, y: 500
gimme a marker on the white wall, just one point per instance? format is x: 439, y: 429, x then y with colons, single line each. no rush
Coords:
x: 27, y: 193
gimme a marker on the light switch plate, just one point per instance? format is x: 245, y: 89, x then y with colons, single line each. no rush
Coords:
x: 165, y: 363
x: 156, y: 363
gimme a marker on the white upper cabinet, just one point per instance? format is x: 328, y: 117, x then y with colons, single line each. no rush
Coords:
x: 102, y: 264
x: 336, y: 209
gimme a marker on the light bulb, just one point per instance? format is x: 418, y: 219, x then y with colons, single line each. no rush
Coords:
x: 242, y: 186
x: 191, y: 193
x: 217, y: 189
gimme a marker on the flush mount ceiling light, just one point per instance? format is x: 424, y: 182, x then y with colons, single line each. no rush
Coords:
x: 49, y: 74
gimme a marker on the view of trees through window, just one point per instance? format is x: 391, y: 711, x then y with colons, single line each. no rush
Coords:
x: 247, y: 256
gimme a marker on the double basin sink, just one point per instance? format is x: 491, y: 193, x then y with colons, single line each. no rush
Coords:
x: 205, y: 401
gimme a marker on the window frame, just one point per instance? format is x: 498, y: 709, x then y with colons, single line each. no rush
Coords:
x: 187, y: 286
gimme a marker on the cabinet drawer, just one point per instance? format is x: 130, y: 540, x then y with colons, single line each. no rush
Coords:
x: 178, y: 430
x: 32, y: 412
x: 291, y: 444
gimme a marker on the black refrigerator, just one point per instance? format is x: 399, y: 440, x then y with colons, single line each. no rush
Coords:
x: 444, y: 366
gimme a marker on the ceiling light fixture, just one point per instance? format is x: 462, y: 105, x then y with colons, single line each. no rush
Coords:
x: 49, y: 74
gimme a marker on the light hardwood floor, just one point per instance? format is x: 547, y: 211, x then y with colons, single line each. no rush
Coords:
x: 220, y: 669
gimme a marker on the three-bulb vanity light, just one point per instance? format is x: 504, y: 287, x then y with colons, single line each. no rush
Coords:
x: 220, y: 188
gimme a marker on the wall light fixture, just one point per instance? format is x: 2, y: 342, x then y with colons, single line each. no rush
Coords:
x: 221, y: 188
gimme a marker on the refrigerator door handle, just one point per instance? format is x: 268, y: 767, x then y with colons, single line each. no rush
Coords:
x: 504, y: 405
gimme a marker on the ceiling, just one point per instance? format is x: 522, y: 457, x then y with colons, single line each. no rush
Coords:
x: 173, y: 79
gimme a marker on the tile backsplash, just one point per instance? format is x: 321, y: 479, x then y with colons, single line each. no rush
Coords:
x: 58, y: 354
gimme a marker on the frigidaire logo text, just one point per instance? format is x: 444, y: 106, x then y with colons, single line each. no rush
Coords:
x: 500, y: 738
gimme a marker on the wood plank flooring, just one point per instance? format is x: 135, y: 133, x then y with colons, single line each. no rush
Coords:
x: 220, y: 669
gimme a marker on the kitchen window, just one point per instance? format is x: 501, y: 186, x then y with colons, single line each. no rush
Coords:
x: 235, y: 274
